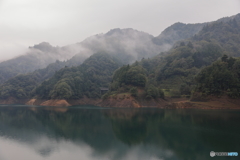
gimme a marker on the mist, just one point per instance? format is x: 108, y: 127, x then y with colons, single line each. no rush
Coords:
x: 24, y: 22
x: 128, y: 44
x: 8, y: 51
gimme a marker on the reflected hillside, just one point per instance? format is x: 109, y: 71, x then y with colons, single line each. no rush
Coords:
x: 164, y: 134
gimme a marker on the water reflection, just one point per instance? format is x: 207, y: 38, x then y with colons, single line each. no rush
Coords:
x: 80, y: 133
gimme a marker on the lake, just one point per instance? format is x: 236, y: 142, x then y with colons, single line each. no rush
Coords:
x: 94, y: 133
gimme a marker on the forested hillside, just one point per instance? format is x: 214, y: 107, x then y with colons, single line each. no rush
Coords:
x: 187, y: 58
x: 225, y: 34
x: 23, y: 85
x: 38, y: 57
x: 127, y: 45
x: 171, y: 73
x: 84, y: 80
x: 222, y: 77
x: 174, y: 71
x: 176, y: 32
x: 136, y: 80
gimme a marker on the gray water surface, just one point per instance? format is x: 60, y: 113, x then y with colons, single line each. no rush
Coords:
x: 94, y: 133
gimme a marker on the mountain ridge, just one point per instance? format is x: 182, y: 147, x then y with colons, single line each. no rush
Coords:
x: 171, y: 72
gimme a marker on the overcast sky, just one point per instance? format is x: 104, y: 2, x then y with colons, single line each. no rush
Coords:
x: 24, y: 23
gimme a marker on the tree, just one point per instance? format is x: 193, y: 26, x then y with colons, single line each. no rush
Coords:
x: 236, y: 67
x: 129, y: 75
x: 231, y: 61
x: 219, y: 79
x: 133, y: 91
x: 185, y: 89
x: 161, y: 94
x: 224, y: 58
x: 152, y: 92
x: 190, y: 45
x: 61, y: 90
x: 182, y: 44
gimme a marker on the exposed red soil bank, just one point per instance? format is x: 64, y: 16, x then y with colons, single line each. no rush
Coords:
x: 127, y: 101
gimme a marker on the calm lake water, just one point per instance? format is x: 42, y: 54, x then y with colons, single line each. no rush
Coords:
x: 93, y: 133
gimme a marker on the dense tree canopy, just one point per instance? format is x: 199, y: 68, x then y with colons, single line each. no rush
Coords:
x: 22, y: 86
x: 222, y: 77
x: 84, y: 80
x: 226, y: 34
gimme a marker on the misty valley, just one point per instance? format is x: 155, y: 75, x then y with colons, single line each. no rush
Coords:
x: 125, y: 95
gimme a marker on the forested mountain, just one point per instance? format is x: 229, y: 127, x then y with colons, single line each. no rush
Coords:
x: 128, y: 45
x: 176, y: 32
x: 180, y: 31
x: 225, y: 34
x: 84, y: 80
x: 173, y: 72
x: 188, y: 57
x: 38, y: 57
x: 136, y: 80
x: 23, y: 85
x: 222, y: 77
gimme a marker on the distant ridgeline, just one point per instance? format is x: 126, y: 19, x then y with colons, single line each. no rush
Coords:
x: 37, y: 57
x: 201, y: 63
x: 127, y: 45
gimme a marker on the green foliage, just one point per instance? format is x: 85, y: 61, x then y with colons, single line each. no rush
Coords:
x: 177, y: 32
x: 133, y: 91
x: 19, y: 87
x: 152, y: 92
x: 22, y: 64
x: 236, y: 67
x: 38, y: 57
x: 84, y: 80
x: 226, y: 34
x: 161, y: 94
x: 219, y: 78
x: 190, y: 45
x: 131, y: 78
x: 175, y: 93
x: 182, y: 44
x: 129, y: 75
x: 224, y: 58
x: 185, y: 89
x: 23, y: 86
x: 182, y: 64
x: 175, y: 69
x: 105, y: 96
x: 61, y: 90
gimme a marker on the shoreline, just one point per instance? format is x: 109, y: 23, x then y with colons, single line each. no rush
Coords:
x: 130, y: 102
